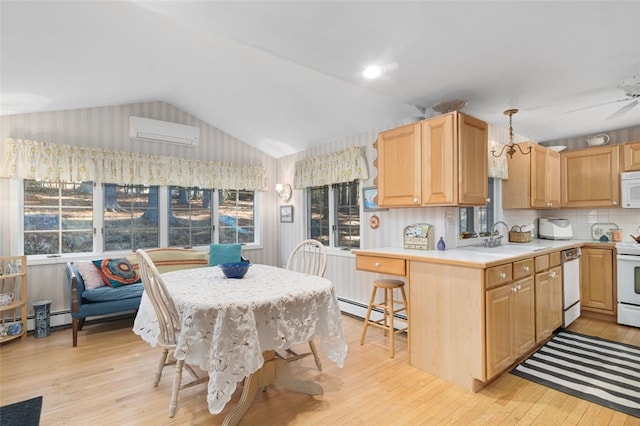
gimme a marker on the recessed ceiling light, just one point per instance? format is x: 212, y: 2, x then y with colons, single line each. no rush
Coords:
x: 372, y: 71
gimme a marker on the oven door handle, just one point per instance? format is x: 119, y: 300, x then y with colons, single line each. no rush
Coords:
x: 629, y: 257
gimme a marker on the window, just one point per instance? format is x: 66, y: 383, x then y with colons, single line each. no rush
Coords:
x: 236, y: 216
x: 58, y: 217
x: 318, y: 213
x: 333, y: 214
x: 348, y: 215
x: 477, y: 220
x: 190, y: 216
x: 130, y: 217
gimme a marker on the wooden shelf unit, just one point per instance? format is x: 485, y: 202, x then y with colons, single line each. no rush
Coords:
x: 13, y: 281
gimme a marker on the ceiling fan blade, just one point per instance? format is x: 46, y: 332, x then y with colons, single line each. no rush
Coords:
x: 622, y: 111
x: 597, y: 105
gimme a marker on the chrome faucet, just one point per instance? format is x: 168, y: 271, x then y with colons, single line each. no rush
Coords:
x: 495, y: 239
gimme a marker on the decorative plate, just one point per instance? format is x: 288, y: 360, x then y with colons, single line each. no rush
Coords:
x: 602, y: 229
x: 557, y: 148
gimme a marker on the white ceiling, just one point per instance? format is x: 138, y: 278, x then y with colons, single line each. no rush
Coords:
x: 285, y: 76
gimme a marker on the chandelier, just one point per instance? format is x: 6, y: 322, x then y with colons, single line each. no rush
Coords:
x: 510, y: 148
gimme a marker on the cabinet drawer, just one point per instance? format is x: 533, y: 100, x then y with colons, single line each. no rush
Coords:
x: 498, y: 275
x: 542, y: 263
x: 382, y: 265
x: 554, y: 259
x: 523, y: 268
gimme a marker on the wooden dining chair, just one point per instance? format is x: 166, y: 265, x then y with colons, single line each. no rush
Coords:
x: 309, y: 257
x: 169, y: 327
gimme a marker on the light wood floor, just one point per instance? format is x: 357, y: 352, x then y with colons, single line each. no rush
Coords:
x: 107, y: 380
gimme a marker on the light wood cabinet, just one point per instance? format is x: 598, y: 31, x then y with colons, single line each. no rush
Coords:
x: 510, y: 324
x: 591, y: 177
x: 548, y: 302
x: 399, y: 161
x: 631, y: 157
x: 13, y: 280
x: 534, y: 179
x: 597, y: 289
x: 440, y: 161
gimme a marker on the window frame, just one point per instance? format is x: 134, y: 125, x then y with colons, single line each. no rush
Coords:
x: 17, y: 232
x: 332, y: 212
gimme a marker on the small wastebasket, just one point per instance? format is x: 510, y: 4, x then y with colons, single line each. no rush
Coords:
x: 42, y: 318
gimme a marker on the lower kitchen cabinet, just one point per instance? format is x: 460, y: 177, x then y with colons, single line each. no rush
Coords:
x: 597, y: 289
x: 548, y: 303
x: 510, y: 322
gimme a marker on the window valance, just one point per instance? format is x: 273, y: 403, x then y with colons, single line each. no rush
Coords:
x: 26, y: 159
x: 338, y: 167
x: 498, y: 167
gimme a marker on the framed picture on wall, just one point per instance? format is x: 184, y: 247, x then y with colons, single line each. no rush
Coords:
x: 369, y: 195
x: 286, y: 214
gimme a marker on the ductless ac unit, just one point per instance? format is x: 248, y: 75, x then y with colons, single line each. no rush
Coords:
x: 163, y: 131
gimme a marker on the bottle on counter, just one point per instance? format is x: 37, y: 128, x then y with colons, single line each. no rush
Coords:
x: 441, y: 245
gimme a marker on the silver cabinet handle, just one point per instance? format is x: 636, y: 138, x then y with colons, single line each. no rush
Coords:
x: 502, y: 275
x: 377, y: 265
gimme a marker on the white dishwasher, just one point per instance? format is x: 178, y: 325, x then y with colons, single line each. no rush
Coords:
x: 570, y: 285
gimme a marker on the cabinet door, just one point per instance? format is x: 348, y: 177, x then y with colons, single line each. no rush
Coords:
x: 472, y: 161
x: 539, y: 176
x: 596, y: 280
x: 398, y: 164
x: 548, y: 294
x: 591, y: 177
x: 554, y: 179
x: 631, y: 156
x: 500, y: 351
x: 523, y: 316
x: 439, y: 152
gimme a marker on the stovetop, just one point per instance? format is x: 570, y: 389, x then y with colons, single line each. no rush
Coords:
x: 628, y: 248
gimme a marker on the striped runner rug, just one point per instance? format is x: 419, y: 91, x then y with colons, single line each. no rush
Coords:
x: 591, y: 368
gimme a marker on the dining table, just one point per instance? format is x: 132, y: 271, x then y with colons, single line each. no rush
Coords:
x: 234, y: 328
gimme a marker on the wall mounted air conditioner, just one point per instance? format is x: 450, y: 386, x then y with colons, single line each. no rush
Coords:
x: 163, y: 131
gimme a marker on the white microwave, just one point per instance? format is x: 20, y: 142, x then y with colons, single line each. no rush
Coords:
x: 630, y: 189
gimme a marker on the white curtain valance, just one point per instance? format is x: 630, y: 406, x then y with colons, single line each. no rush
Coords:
x: 338, y: 167
x: 26, y: 159
x: 498, y: 167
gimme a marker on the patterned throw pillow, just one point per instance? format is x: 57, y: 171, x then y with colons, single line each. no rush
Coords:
x: 116, y: 272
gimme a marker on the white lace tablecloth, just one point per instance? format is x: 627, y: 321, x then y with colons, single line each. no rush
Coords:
x: 228, y: 323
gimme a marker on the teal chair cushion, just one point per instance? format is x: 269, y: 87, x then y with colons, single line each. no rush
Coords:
x: 224, y: 253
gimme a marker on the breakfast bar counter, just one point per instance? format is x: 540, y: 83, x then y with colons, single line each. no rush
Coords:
x: 473, y: 311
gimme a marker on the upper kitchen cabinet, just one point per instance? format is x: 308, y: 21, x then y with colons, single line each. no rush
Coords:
x: 631, y: 157
x: 534, y: 179
x: 440, y: 161
x: 591, y: 177
x: 398, y: 166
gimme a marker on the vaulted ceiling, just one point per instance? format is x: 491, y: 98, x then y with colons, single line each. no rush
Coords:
x: 286, y: 76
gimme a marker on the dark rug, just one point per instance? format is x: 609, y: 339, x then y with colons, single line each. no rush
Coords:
x: 23, y: 413
x: 597, y: 370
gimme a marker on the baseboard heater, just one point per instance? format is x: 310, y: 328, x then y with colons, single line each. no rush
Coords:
x: 359, y: 310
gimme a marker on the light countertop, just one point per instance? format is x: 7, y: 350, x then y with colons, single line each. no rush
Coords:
x: 479, y: 257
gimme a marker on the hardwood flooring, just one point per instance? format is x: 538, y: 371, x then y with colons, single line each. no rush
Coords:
x: 107, y: 380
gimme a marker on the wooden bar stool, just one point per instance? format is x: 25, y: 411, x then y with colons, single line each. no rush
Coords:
x: 388, y: 310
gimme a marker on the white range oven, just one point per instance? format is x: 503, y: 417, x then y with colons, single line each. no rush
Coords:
x: 628, y: 283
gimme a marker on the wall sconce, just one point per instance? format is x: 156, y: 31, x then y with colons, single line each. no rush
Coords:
x: 510, y: 148
x: 284, y: 191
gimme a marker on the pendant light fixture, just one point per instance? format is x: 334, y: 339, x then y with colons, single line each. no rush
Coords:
x: 510, y: 148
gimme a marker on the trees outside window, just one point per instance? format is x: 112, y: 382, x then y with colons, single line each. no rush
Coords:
x: 58, y: 217
x: 333, y: 214
x: 190, y: 216
x: 130, y: 217
x: 236, y: 217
